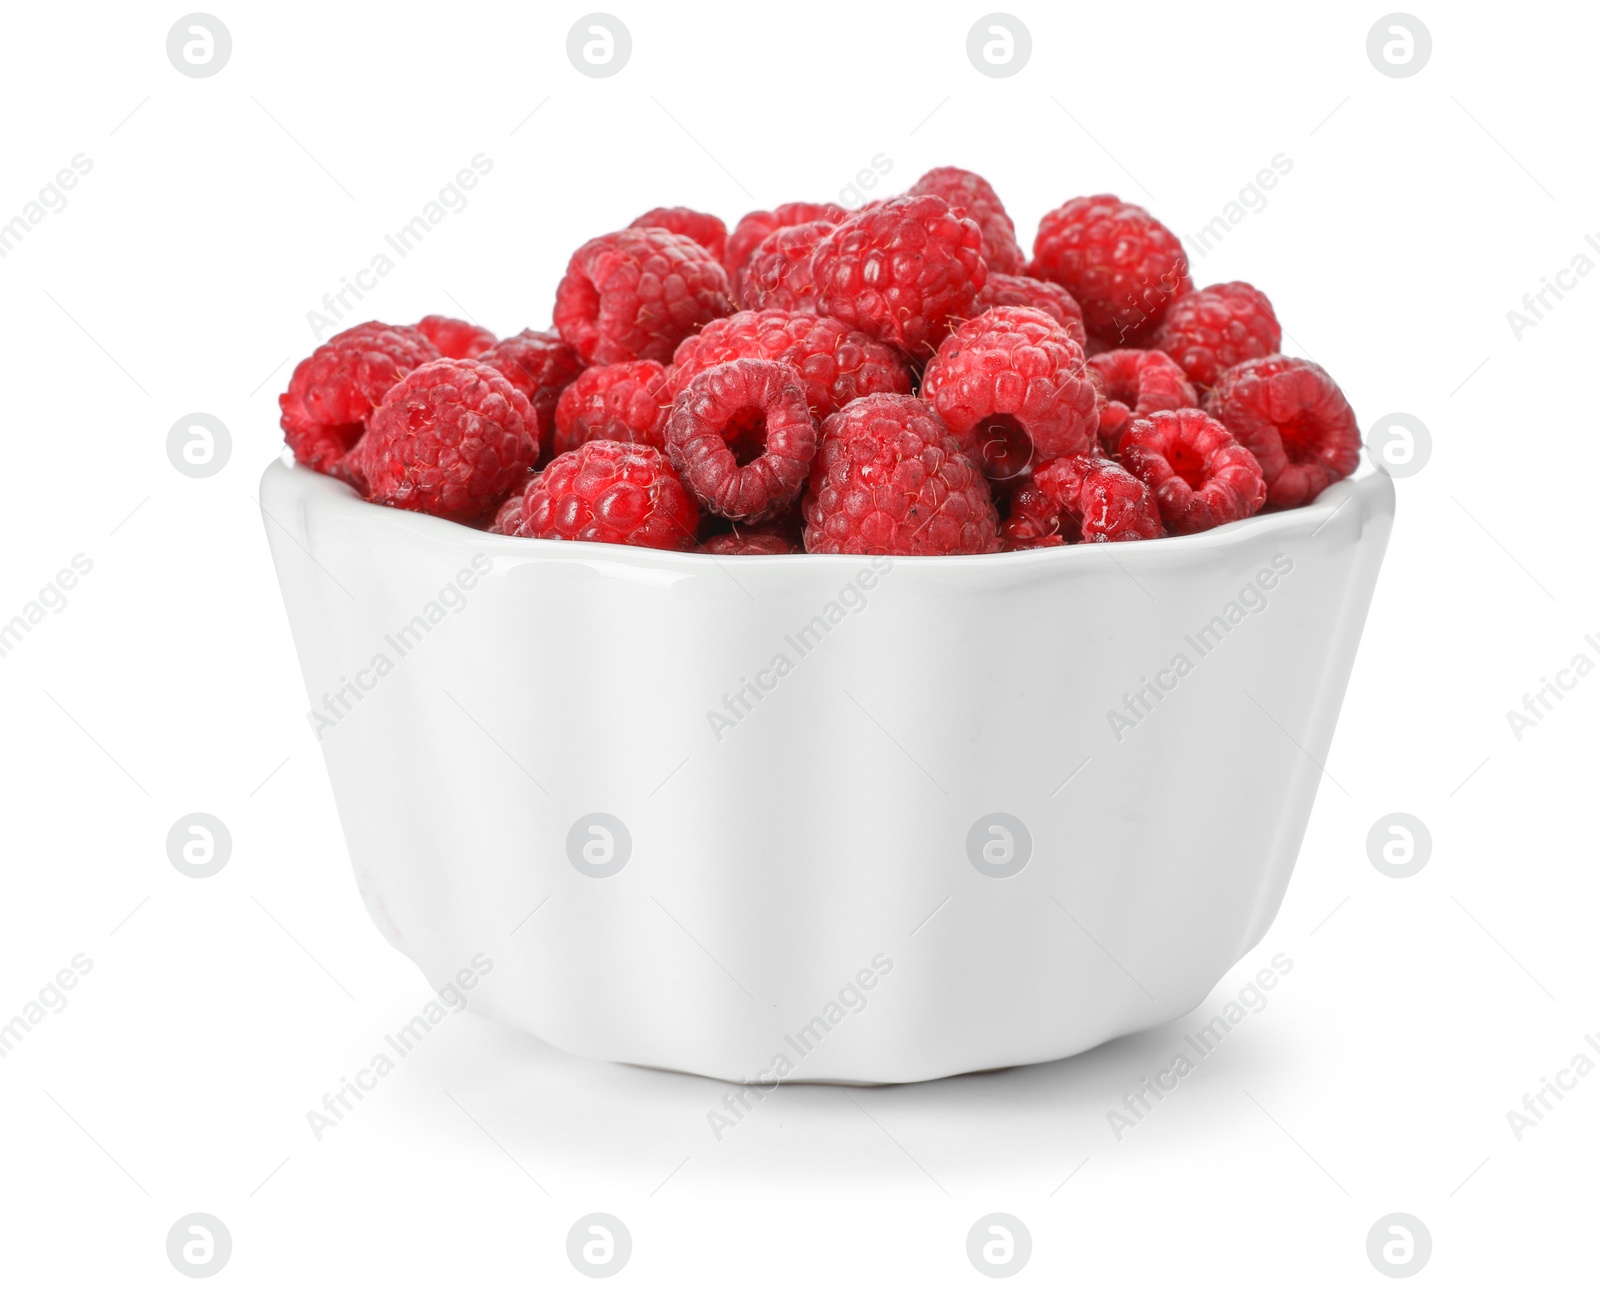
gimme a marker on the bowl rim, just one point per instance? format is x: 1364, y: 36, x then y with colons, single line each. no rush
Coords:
x: 1371, y: 485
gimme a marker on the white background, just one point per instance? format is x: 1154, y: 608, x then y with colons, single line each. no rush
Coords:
x: 178, y: 278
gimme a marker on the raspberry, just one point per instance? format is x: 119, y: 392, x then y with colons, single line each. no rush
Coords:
x: 332, y: 392
x: 900, y: 272
x: 971, y: 195
x: 1297, y: 422
x: 1036, y: 294
x: 890, y: 479
x: 743, y: 438
x: 1013, y: 388
x: 1137, y: 383
x: 1083, y: 499
x: 608, y: 492
x: 710, y: 232
x: 756, y: 227
x: 455, y: 338
x: 451, y: 439
x: 509, y: 516
x: 541, y: 365
x: 1201, y: 476
x: 636, y: 293
x: 1217, y: 327
x: 778, y: 273
x: 836, y: 364
x: 756, y: 541
x: 616, y: 401
x: 1120, y: 263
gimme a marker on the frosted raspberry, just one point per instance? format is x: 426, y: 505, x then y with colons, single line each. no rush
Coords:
x: 757, y: 226
x: 451, y: 439
x: 971, y: 195
x: 617, y: 401
x: 1034, y: 293
x: 1217, y: 327
x: 836, y: 364
x: 1083, y: 499
x: 541, y: 365
x: 743, y: 437
x: 332, y: 392
x: 455, y: 338
x: 636, y: 293
x: 778, y: 273
x: 1119, y: 262
x: 1137, y: 383
x: 1201, y: 476
x: 1012, y: 386
x: 890, y: 479
x: 710, y: 232
x: 609, y: 492
x: 901, y: 272
x: 1297, y: 422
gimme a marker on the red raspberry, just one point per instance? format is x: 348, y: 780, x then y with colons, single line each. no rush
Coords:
x: 972, y: 196
x: 455, y: 338
x: 1201, y: 476
x: 778, y: 273
x: 890, y: 479
x: 710, y: 232
x: 756, y: 227
x: 616, y: 401
x: 756, y: 541
x: 1119, y: 262
x: 451, y: 439
x: 636, y: 293
x: 1035, y: 294
x: 836, y: 364
x: 1297, y: 422
x: 609, y: 492
x: 1013, y: 388
x: 1083, y: 499
x: 332, y: 392
x: 901, y: 272
x: 743, y: 438
x: 1217, y: 327
x: 1136, y: 384
x: 509, y: 516
x: 541, y: 365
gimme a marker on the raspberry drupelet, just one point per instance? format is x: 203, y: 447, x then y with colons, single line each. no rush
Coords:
x: 900, y: 272
x: 1013, y: 387
x: 1121, y: 264
x: 615, y: 401
x: 333, y: 391
x: 743, y: 437
x: 1295, y: 419
x: 708, y: 230
x: 541, y: 365
x: 1201, y: 476
x: 609, y: 492
x: 636, y: 293
x: 450, y: 439
x: 1083, y: 499
x: 974, y: 197
x: 1213, y: 329
x: 1137, y: 383
x: 890, y: 479
x: 836, y: 364
x: 1035, y: 293
x: 455, y: 338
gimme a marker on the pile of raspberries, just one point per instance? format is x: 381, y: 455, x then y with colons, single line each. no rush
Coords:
x: 899, y: 379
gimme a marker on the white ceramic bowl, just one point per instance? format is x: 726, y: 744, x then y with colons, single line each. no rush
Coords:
x: 981, y: 810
